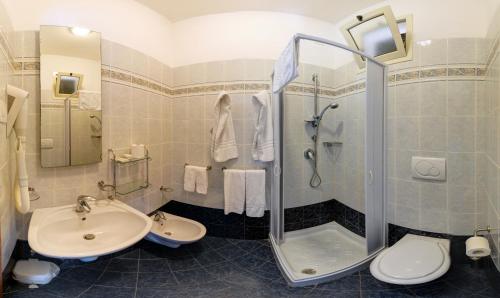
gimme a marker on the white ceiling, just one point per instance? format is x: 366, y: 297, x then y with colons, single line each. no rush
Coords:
x: 60, y: 41
x: 327, y: 10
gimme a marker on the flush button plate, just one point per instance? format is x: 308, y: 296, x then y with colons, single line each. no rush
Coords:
x: 428, y: 168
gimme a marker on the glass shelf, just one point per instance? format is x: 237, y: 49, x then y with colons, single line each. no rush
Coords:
x: 126, y: 188
x: 136, y: 184
x: 132, y: 160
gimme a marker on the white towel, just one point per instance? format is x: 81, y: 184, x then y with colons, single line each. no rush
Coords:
x: 189, y: 178
x: 234, y: 191
x: 263, y: 140
x: 201, y: 180
x: 89, y: 100
x: 223, y: 144
x: 255, y: 191
x: 196, y: 179
x: 286, y: 68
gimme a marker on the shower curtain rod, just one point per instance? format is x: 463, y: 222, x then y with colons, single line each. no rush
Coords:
x: 297, y: 37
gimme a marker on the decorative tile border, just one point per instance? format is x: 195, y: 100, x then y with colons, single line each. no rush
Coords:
x: 117, y: 75
x: 433, y: 73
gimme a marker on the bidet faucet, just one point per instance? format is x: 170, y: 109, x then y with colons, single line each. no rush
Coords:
x: 160, y: 217
x: 82, y: 204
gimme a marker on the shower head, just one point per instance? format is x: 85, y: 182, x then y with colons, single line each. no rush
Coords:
x: 330, y: 106
x: 96, y: 118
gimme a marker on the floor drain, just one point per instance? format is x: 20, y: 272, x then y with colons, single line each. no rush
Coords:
x: 168, y: 233
x: 309, y: 271
x: 89, y: 236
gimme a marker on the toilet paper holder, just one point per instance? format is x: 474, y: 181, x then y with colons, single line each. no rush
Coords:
x: 488, y: 229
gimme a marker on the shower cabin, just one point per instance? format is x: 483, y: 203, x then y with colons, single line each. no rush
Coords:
x: 327, y: 207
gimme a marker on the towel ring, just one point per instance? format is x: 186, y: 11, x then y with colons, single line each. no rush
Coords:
x: 105, y: 187
x: 208, y: 167
x: 166, y: 189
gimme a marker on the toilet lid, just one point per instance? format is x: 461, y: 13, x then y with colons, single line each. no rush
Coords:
x: 412, y: 259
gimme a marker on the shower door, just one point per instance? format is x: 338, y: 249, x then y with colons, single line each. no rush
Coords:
x: 327, y: 216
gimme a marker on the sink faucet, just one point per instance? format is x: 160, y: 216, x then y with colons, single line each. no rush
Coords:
x: 82, y: 204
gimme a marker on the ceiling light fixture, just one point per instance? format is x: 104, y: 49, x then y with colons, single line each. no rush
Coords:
x: 80, y: 31
x: 425, y: 43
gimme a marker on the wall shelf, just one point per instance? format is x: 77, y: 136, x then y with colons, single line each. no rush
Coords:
x: 130, y: 185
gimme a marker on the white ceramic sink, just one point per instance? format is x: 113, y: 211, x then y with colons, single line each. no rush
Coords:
x: 60, y: 232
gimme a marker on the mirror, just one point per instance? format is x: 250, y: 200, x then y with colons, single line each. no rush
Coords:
x: 70, y: 81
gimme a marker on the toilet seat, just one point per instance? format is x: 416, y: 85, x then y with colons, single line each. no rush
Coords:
x: 412, y: 260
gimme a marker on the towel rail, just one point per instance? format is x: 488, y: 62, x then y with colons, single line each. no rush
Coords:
x: 208, y: 167
x: 224, y: 168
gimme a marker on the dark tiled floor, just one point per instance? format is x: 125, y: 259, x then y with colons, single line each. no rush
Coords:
x: 218, y: 267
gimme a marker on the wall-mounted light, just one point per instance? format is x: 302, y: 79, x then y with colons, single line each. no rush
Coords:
x: 80, y: 31
x: 425, y: 43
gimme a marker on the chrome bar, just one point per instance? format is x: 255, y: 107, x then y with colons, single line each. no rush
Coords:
x: 300, y: 36
x: 208, y: 167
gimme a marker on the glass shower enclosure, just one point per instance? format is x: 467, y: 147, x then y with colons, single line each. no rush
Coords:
x: 327, y: 207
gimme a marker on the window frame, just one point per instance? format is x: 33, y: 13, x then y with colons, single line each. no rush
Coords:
x: 401, y: 53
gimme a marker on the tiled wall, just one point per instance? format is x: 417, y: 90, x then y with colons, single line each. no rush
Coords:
x: 136, y: 106
x: 434, y: 110
x: 168, y: 110
x: 488, y: 154
x: 341, y: 166
x: 238, y: 226
x: 7, y: 210
x: 192, y: 117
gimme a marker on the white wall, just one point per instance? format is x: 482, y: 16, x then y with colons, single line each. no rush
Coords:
x: 237, y: 35
x: 7, y: 210
x: 263, y: 35
x: 444, y: 18
x: 240, y: 35
x: 122, y: 21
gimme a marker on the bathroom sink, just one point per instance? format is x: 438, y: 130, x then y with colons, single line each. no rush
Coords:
x: 110, y: 226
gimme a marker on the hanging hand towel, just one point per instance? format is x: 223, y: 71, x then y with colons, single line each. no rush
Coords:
x: 189, y: 178
x: 195, y: 179
x: 263, y: 140
x: 234, y: 191
x: 201, y: 180
x: 255, y: 189
x: 286, y: 68
x: 223, y: 144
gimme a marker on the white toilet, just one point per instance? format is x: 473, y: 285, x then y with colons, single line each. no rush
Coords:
x: 173, y: 231
x: 412, y: 260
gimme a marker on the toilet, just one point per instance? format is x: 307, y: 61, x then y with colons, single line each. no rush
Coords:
x: 412, y: 260
x: 173, y: 231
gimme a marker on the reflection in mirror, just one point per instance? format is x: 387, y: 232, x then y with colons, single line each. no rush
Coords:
x: 70, y: 80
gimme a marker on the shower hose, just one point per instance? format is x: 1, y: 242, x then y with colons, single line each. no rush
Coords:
x: 315, y: 178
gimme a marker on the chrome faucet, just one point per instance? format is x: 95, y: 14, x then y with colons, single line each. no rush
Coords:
x: 82, y: 204
x: 159, y: 217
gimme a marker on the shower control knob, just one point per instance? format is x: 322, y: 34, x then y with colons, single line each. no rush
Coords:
x: 309, y: 154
